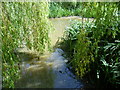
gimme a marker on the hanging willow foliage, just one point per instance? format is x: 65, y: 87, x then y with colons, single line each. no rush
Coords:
x: 21, y: 22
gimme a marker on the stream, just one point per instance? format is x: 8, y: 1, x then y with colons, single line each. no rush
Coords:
x: 48, y: 70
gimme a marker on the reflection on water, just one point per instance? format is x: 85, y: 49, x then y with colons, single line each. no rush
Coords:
x: 48, y: 72
x: 64, y: 78
x: 36, y: 74
x: 39, y: 78
x: 60, y: 25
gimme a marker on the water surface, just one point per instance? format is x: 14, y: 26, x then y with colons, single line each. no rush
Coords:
x: 60, y: 24
x: 48, y: 70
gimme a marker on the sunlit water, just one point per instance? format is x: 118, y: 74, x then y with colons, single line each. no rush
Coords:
x: 48, y: 71
x: 60, y: 25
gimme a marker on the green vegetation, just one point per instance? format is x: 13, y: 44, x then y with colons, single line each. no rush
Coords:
x: 60, y: 9
x: 94, y: 46
x: 21, y: 22
x: 78, y: 46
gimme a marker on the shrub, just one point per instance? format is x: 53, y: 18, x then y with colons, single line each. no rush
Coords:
x: 98, y: 42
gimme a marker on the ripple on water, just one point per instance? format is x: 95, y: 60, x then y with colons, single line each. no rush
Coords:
x: 49, y: 73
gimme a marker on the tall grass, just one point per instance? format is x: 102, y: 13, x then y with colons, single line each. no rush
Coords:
x: 21, y: 23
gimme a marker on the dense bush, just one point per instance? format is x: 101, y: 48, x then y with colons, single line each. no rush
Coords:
x: 105, y: 35
x: 21, y: 22
x: 76, y: 38
x: 84, y: 9
x: 59, y: 9
x: 99, y: 42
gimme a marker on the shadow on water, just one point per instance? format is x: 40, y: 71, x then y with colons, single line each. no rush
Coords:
x: 48, y: 70
x: 35, y: 72
x: 36, y: 76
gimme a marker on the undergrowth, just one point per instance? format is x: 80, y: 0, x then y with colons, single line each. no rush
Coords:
x: 93, y: 47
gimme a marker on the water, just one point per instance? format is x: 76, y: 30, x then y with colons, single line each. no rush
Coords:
x: 48, y: 71
x: 63, y: 77
x: 60, y: 25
